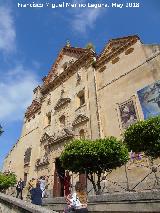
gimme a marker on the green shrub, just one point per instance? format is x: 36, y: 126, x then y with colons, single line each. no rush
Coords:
x: 144, y: 136
x: 7, y: 180
x: 94, y: 157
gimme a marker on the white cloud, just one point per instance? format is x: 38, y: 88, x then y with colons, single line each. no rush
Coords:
x: 84, y: 18
x: 7, y: 30
x: 17, y: 84
x: 16, y: 90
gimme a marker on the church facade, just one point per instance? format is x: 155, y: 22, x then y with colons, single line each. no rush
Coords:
x: 86, y: 95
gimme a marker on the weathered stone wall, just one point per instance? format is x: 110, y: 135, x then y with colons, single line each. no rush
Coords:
x: 10, y: 204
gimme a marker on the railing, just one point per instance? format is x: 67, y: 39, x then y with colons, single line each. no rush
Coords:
x: 136, y: 175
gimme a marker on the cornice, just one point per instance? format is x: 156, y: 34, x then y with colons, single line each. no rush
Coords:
x: 106, y: 57
x: 118, y: 41
x: 32, y: 109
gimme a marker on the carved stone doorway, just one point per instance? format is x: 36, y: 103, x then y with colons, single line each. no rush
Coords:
x: 59, y: 173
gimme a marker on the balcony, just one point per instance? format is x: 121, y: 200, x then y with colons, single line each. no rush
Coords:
x: 61, y: 136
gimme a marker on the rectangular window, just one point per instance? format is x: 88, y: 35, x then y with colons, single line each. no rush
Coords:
x: 27, y: 156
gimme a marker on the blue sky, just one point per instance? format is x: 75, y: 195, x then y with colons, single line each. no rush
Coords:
x: 30, y: 39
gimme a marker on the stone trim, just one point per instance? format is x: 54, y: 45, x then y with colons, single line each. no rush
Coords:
x: 107, y: 56
x: 129, y: 51
x: 114, y: 43
x: 144, y: 201
x: 102, y: 69
x: 115, y: 60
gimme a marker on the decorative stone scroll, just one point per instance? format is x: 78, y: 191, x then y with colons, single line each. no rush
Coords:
x: 61, y: 102
x: 102, y: 69
x: 80, y: 119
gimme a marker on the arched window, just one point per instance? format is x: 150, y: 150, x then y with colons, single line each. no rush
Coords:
x: 81, y: 97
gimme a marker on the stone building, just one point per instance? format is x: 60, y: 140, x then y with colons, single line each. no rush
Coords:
x: 86, y: 95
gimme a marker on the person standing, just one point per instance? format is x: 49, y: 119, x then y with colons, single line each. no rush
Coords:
x: 67, y: 184
x: 36, y: 195
x: 42, y: 182
x: 19, y: 188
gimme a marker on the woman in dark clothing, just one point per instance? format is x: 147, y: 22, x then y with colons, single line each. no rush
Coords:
x: 36, y: 195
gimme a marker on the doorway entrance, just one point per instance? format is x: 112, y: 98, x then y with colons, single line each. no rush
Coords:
x: 25, y: 178
x: 59, y: 173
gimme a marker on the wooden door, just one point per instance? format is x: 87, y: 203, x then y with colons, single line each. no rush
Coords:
x: 59, y: 173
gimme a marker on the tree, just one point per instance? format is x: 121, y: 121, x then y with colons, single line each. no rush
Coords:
x: 7, y: 180
x: 1, y: 130
x: 144, y: 136
x: 94, y: 157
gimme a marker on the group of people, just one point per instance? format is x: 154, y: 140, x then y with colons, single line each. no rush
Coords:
x: 76, y: 201
x: 36, y: 189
